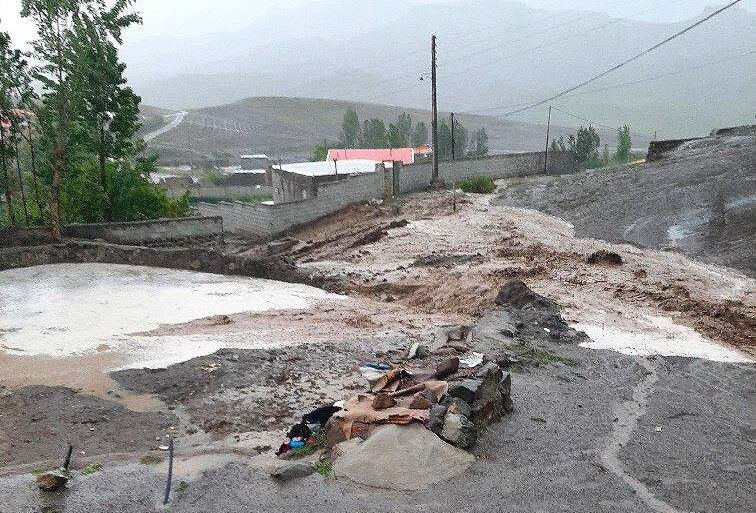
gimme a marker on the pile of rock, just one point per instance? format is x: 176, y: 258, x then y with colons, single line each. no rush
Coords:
x: 471, y: 404
x: 454, y: 403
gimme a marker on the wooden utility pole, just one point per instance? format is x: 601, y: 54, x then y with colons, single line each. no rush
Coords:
x: 452, y: 131
x: 434, y: 121
x: 546, y: 157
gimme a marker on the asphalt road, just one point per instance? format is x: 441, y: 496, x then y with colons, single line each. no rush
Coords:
x: 612, y: 433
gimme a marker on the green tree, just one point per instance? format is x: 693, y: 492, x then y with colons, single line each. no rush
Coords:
x: 7, y: 71
x: 108, y: 109
x: 404, y: 130
x: 351, y: 133
x: 374, y: 134
x: 480, y: 143
x: 624, y: 144
x: 444, y: 140
x: 54, y: 20
x: 460, y: 139
x: 320, y: 152
x: 394, y: 137
x: 420, y: 134
x: 585, y: 145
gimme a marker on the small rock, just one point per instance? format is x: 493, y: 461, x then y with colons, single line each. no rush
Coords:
x: 292, y: 470
x: 51, y: 481
x: 447, y: 368
x: 460, y: 347
x: 457, y: 405
x: 459, y: 431
x: 420, y: 402
x: 466, y: 390
x: 383, y: 401
x: 436, y: 418
x: 505, y: 384
x: 605, y: 257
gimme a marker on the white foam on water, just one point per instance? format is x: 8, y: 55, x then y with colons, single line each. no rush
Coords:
x: 73, y: 309
x: 657, y: 336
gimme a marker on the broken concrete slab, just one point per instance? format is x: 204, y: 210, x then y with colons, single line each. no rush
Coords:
x: 402, y: 458
x: 52, y: 481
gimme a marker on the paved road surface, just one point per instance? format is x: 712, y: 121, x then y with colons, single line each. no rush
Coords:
x: 176, y: 119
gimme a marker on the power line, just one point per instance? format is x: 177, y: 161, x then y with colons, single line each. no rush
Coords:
x: 626, y: 84
x: 625, y: 62
x: 519, y: 53
x: 592, y: 122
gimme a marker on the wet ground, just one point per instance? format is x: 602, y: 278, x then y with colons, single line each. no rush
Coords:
x: 606, y: 432
x: 593, y: 430
x: 700, y: 199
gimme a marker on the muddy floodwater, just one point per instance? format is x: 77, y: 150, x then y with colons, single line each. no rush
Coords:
x: 88, y: 311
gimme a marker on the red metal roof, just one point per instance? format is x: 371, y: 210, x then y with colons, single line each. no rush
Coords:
x: 405, y: 155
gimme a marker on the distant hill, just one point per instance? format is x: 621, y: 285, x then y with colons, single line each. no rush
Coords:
x: 290, y: 128
x: 492, y: 53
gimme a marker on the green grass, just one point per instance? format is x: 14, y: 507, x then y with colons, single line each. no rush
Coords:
x: 477, y: 185
x: 320, y: 443
x: 602, y: 163
x: 324, y: 467
x: 150, y: 459
x: 91, y: 468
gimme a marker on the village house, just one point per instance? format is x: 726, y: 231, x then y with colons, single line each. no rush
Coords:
x: 404, y: 155
x: 297, y: 182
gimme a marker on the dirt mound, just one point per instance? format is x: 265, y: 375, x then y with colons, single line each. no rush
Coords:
x: 699, y: 199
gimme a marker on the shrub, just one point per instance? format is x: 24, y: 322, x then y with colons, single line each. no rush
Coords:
x: 477, y: 185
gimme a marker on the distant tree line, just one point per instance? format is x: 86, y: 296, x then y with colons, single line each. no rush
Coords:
x: 68, y: 150
x: 403, y: 133
x: 584, y: 147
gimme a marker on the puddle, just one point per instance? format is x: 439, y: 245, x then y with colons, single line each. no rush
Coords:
x: 81, y: 309
x: 654, y: 335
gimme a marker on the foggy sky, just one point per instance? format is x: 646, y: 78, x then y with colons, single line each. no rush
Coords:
x: 182, y: 18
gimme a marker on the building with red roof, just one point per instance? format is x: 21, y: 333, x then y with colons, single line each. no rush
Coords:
x: 404, y: 155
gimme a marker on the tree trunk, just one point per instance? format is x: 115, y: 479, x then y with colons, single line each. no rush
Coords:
x: 103, y: 176
x: 6, y: 178
x: 35, y: 181
x: 21, y: 181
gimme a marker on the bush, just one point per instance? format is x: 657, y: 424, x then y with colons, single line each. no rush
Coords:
x: 477, y: 185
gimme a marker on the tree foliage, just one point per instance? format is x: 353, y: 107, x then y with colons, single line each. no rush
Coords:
x: 624, y: 144
x: 79, y: 149
x: 584, y: 146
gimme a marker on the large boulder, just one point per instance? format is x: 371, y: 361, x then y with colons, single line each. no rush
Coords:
x: 402, y: 458
x: 459, y: 431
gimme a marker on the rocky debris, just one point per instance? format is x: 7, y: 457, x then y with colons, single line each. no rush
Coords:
x: 383, y: 401
x: 377, y: 234
x: 292, y: 470
x: 447, y: 261
x: 447, y: 368
x: 533, y: 317
x: 459, y: 431
x: 402, y: 458
x: 420, y: 401
x: 418, y: 350
x: 52, y: 481
x: 604, y: 257
x: 281, y: 245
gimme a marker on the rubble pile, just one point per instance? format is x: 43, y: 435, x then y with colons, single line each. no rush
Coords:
x: 456, y: 399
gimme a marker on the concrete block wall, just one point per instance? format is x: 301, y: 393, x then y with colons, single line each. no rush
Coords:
x: 268, y: 220
x: 151, y: 232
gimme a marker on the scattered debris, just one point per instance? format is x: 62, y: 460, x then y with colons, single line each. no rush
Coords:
x: 604, y: 257
x: 52, y: 481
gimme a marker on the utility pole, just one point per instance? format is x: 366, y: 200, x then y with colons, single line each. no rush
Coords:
x: 452, y: 131
x: 434, y: 121
x: 546, y: 158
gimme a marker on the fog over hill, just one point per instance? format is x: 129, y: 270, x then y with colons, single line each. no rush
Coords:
x: 491, y: 54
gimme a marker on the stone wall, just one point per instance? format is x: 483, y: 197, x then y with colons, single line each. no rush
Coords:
x: 191, y: 259
x: 657, y: 150
x: 155, y: 232
x: 267, y: 220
